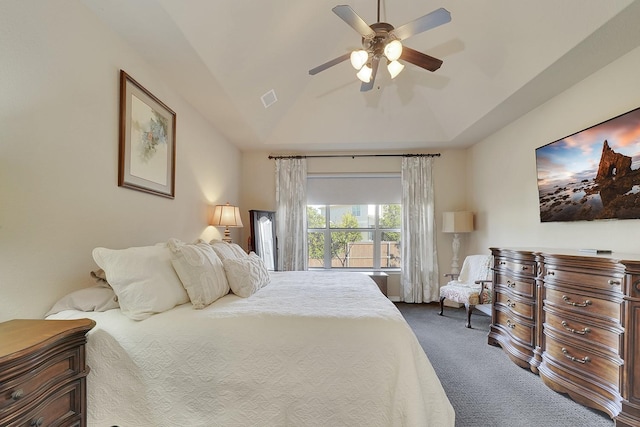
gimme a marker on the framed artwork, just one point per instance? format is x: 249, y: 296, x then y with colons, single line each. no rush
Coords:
x: 147, y: 157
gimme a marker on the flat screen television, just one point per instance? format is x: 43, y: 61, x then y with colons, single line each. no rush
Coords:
x: 593, y: 174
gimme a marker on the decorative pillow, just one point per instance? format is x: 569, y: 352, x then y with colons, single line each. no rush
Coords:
x: 200, y: 271
x: 95, y: 298
x: 240, y: 253
x: 226, y: 250
x: 246, y: 275
x: 143, y: 279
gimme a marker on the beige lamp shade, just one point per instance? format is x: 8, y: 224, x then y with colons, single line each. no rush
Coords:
x: 226, y: 216
x: 457, y: 222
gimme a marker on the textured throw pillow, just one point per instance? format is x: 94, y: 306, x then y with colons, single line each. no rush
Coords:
x: 238, y: 251
x: 246, y: 275
x: 200, y: 271
x: 143, y: 279
x: 226, y: 250
x: 96, y: 298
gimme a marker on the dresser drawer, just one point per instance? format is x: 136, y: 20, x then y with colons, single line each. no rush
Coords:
x: 584, y: 305
x: 515, y: 305
x: 605, y: 339
x: 25, y: 387
x: 583, y: 362
x: 61, y: 407
x: 524, y: 287
x: 516, y: 327
x: 581, y: 279
x: 518, y: 267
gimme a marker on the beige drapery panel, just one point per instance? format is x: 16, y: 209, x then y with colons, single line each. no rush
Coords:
x: 420, y: 281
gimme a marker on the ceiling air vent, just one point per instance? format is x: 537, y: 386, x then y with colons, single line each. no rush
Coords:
x: 269, y: 98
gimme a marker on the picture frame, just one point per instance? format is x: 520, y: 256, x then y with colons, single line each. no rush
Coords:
x: 147, y: 141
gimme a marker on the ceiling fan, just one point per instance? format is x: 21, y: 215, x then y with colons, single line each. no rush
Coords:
x: 382, y: 41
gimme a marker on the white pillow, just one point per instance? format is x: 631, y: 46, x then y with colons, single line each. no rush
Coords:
x: 143, y: 279
x: 200, y: 271
x: 246, y: 275
x: 226, y: 250
x: 95, y: 298
x: 238, y: 251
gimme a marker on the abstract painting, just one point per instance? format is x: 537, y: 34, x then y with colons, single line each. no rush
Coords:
x: 147, y: 140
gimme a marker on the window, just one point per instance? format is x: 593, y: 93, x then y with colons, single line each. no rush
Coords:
x: 337, y: 238
x: 353, y: 220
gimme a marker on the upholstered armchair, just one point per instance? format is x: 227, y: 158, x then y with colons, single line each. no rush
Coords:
x: 472, y: 287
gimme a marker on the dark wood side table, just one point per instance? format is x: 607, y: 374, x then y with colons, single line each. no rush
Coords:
x: 43, y: 372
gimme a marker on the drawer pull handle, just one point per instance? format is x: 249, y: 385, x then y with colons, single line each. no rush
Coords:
x: 502, y: 263
x: 551, y: 273
x: 524, y: 267
x: 614, y: 282
x: 510, y: 303
x: 574, y: 331
x: 38, y: 422
x: 17, y: 395
x: 575, y: 359
x: 511, y: 284
x: 576, y: 304
x: 510, y: 324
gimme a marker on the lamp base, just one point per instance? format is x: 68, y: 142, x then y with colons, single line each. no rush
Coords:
x: 455, y: 267
x: 227, y: 235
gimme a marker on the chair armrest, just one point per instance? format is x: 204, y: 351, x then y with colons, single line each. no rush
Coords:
x: 483, y: 283
x: 452, y: 276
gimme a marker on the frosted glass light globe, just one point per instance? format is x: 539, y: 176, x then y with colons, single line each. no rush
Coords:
x: 393, y: 50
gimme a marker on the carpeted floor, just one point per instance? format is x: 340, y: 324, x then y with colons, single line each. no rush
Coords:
x: 483, y: 385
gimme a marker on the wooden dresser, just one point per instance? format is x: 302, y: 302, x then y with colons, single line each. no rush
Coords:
x: 514, y: 309
x: 43, y: 372
x: 578, y: 328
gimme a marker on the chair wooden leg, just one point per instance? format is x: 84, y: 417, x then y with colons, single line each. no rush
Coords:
x: 441, y: 306
x: 469, y: 309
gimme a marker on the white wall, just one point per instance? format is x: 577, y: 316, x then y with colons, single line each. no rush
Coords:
x: 449, y: 175
x: 502, y: 169
x: 59, y: 153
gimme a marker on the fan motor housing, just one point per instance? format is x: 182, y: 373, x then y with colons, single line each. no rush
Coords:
x: 377, y: 43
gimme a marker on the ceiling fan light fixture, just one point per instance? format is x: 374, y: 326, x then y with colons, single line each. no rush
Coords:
x: 365, y: 74
x: 393, y: 50
x: 394, y: 68
x: 359, y: 58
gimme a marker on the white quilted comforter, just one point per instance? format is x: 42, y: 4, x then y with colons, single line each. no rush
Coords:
x: 309, y: 349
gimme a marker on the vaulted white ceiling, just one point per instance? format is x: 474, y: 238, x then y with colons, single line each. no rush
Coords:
x: 502, y: 58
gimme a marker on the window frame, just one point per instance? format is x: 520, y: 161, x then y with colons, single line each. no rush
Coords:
x: 376, y: 231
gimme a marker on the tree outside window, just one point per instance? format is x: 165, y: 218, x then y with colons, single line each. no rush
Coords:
x: 337, y: 238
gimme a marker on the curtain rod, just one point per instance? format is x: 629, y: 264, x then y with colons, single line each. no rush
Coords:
x: 353, y: 156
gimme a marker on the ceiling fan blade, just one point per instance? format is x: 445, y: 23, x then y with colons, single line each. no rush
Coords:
x: 350, y: 17
x: 420, y: 59
x: 374, y: 70
x: 424, y: 23
x: 328, y: 64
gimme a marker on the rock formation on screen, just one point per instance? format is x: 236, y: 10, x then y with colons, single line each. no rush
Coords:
x: 612, y: 164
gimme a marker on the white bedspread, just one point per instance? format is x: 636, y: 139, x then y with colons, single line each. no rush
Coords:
x: 309, y: 349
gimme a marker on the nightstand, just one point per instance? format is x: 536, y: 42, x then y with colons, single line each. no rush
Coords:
x: 43, y: 372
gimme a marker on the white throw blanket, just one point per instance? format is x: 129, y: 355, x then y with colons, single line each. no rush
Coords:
x: 309, y: 349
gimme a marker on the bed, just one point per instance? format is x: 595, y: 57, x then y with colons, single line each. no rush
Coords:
x: 307, y: 349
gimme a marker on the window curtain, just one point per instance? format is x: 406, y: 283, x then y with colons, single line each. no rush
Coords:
x: 420, y: 281
x: 291, y: 216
